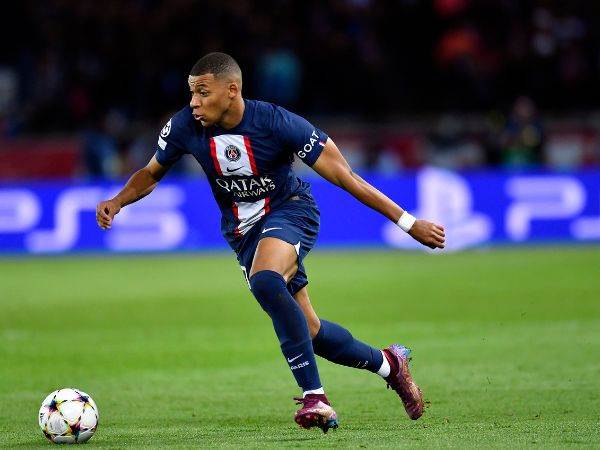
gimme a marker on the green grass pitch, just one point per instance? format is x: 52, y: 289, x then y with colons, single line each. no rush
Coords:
x: 176, y: 352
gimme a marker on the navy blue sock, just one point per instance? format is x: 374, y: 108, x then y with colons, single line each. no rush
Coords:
x: 335, y: 343
x: 290, y: 325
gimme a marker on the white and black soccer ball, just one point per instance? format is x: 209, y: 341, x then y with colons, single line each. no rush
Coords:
x: 68, y: 416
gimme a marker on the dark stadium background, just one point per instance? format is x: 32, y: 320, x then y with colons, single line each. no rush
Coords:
x: 442, y: 76
x: 483, y: 115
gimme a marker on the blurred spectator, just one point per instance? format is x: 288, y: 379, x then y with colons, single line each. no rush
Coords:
x: 100, y: 148
x: 278, y: 75
x: 522, y: 139
x: 452, y: 147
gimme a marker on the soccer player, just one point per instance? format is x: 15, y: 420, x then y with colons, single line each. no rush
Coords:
x: 270, y: 219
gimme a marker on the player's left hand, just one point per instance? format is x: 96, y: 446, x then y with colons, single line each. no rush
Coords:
x: 105, y: 213
x: 428, y: 233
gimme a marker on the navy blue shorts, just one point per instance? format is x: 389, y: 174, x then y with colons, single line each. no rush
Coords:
x: 297, y: 222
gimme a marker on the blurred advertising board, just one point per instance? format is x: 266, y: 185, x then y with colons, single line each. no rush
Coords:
x: 477, y: 209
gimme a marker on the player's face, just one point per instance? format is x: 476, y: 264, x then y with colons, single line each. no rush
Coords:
x: 211, y: 98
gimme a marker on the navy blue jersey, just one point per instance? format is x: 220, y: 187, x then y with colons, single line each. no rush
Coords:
x: 249, y: 167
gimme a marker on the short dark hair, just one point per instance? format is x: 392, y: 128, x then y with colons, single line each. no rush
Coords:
x: 218, y: 64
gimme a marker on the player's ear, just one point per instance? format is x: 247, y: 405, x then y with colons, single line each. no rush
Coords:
x: 234, y: 89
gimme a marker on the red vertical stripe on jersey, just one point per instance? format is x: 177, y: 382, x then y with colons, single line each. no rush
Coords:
x: 250, y: 155
x: 267, y: 206
x: 213, y: 154
x: 234, y: 208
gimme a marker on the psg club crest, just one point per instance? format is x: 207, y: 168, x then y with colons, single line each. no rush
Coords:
x: 232, y: 153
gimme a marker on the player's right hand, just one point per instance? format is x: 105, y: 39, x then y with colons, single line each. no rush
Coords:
x: 105, y: 212
x: 428, y: 233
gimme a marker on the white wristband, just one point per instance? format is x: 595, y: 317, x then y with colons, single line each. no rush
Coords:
x: 406, y: 221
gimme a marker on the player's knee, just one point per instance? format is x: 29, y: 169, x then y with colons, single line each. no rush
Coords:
x: 314, y: 325
x: 267, y: 286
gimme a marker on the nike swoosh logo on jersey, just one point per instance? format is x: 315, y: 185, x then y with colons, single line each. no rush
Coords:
x: 295, y: 358
x: 233, y: 170
x: 269, y: 229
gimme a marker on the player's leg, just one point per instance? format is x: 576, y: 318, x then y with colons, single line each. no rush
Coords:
x: 336, y: 344
x: 275, y: 263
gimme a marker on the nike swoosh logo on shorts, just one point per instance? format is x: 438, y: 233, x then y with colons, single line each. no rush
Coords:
x: 295, y: 358
x: 233, y: 170
x: 269, y: 229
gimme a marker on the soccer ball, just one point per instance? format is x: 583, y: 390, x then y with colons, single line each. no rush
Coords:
x: 68, y: 416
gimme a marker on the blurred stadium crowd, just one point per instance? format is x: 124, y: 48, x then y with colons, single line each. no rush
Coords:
x: 398, y: 83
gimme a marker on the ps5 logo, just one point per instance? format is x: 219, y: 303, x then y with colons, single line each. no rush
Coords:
x: 543, y: 201
x: 154, y: 224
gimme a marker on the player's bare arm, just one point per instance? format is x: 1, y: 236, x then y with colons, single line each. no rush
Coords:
x: 138, y: 186
x: 332, y: 166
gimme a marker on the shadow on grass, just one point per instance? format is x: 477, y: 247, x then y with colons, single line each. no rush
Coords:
x: 298, y: 439
x: 37, y: 443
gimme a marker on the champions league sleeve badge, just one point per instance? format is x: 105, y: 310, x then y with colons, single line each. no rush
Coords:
x: 166, y: 129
